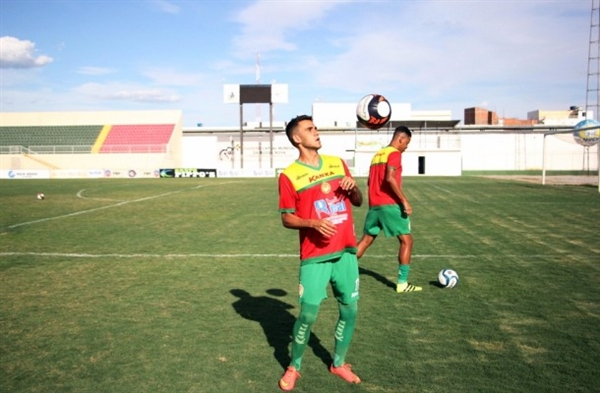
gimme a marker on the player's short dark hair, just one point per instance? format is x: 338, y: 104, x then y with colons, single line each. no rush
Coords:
x: 291, y: 126
x: 402, y: 130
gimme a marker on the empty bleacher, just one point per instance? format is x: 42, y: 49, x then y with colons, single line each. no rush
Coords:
x: 138, y: 138
x: 50, y: 139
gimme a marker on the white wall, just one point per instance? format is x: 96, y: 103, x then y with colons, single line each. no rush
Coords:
x: 445, y: 154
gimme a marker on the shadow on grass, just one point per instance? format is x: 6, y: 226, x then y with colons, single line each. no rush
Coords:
x: 436, y: 284
x: 378, y: 277
x: 277, y: 323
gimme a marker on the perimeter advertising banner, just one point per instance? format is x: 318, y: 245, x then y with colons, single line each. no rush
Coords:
x: 25, y: 174
x: 187, y: 172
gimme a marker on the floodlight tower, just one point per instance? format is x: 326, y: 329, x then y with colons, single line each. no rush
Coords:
x: 592, y: 96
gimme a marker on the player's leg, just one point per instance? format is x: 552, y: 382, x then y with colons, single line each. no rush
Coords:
x: 313, y: 289
x: 364, y: 243
x: 371, y: 229
x: 301, y: 332
x: 397, y: 223
x: 345, y: 283
x: 404, y: 254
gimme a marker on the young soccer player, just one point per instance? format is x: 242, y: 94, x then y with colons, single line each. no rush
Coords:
x: 389, y: 209
x: 316, y: 194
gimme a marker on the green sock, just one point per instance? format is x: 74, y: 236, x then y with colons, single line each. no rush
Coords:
x: 403, y: 273
x: 301, y: 332
x: 344, y: 330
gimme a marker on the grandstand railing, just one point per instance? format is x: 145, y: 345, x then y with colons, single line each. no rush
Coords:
x: 83, y: 149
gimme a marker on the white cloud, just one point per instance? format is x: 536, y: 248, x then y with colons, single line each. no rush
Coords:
x: 505, y: 54
x: 165, y: 6
x: 125, y: 92
x: 16, y: 53
x: 95, y: 71
x: 168, y: 77
x: 266, y: 25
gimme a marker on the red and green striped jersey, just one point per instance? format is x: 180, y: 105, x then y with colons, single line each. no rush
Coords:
x: 380, y: 192
x: 315, y: 193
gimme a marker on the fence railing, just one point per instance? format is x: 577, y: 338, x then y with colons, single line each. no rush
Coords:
x: 83, y: 149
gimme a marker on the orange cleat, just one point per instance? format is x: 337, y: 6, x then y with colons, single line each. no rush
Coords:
x: 288, y: 380
x: 345, y: 372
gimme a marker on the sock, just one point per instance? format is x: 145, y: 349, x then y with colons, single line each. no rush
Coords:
x: 403, y: 273
x: 301, y: 332
x: 344, y: 330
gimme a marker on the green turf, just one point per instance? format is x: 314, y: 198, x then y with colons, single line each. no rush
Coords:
x: 190, y: 285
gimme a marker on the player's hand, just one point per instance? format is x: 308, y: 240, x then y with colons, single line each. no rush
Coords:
x: 348, y: 184
x: 325, y: 228
x: 407, y: 208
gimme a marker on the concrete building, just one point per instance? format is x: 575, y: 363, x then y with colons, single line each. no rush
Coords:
x: 481, y: 116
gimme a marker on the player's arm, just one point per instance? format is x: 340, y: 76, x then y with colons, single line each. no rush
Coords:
x: 349, y: 185
x: 323, y: 226
x: 289, y: 219
x: 390, y: 178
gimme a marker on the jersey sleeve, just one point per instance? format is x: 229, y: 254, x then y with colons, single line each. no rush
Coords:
x: 394, y: 160
x: 287, y: 195
x: 346, y: 170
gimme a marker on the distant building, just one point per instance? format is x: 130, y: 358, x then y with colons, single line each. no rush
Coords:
x: 343, y: 116
x: 570, y: 117
x: 481, y: 116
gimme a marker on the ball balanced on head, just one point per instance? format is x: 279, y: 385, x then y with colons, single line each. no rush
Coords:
x: 373, y: 111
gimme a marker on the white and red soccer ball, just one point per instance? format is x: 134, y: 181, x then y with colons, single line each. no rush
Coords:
x: 373, y: 111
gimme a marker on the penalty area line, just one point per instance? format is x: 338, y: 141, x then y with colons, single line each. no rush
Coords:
x: 111, y: 206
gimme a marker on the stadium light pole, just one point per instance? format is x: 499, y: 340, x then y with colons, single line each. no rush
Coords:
x: 544, y: 160
x: 271, y: 134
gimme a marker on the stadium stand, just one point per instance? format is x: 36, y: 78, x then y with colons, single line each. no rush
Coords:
x: 41, y: 139
x: 137, y: 138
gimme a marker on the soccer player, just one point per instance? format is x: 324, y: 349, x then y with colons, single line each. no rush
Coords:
x: 389, y: 209
x: 316, y: 194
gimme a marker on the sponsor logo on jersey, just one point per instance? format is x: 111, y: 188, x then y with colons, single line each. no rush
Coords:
x: 319, y: 176
x: 334, y: 209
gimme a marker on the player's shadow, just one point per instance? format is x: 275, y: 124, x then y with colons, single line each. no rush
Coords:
x: 377, y: 276
x: 277, y: 323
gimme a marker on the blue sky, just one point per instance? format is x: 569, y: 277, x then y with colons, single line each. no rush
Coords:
x: 80, y: 55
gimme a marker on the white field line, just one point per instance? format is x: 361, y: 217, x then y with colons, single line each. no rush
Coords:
x: 454, y: 194
x: 223, y: 256
x: 111, y: 206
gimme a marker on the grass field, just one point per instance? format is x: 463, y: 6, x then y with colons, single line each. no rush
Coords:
x: 190, y: 285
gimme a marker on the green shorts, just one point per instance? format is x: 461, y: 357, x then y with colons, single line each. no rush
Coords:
x: 342, y: 274
x: 390, y: 218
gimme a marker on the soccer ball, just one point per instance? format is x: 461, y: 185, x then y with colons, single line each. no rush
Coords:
x: 589, y: 137
x: 40, y: 195
x: 373, y: 111
x: 448, y: 278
